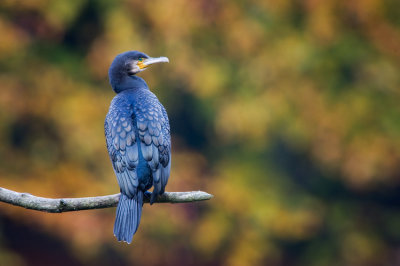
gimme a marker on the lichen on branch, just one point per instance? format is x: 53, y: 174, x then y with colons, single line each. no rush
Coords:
x: 32, y: 202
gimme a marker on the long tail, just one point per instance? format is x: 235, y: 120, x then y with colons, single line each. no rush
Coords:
x: 128, y: 216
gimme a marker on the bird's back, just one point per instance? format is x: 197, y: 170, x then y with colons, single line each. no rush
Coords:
x: 138, y: 141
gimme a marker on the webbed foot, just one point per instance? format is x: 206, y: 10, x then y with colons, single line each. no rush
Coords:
x: 147, y: 194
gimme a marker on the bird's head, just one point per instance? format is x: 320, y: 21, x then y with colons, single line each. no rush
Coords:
x: 128, y: 64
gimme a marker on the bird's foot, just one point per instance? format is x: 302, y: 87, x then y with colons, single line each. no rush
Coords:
x: 147, y: 194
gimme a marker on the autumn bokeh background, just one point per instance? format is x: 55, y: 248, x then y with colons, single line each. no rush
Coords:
x: 287, y: 111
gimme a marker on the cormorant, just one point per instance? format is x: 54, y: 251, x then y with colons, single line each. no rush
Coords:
x: 138, y: 140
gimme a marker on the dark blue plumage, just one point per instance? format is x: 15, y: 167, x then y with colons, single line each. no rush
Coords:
x: 138, y: 140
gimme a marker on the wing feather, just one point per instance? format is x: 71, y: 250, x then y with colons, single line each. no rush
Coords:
x: 123, y: 148
x: 154, y: 135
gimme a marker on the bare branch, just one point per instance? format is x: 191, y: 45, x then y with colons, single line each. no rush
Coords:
x: 29, y: 201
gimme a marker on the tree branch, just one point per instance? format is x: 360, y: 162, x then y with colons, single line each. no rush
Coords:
x: 29, y: 201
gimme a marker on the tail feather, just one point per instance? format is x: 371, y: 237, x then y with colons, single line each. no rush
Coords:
x: 129, y: 212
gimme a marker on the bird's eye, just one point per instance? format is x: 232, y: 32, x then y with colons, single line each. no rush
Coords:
x: 140, y: 59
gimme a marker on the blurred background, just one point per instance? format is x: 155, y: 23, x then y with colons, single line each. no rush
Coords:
x: 287, y: 111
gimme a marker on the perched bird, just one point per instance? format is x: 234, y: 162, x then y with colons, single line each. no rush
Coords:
x: 138, y: 140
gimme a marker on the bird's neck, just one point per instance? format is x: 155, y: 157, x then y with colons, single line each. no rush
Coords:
x: 128, y: 83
